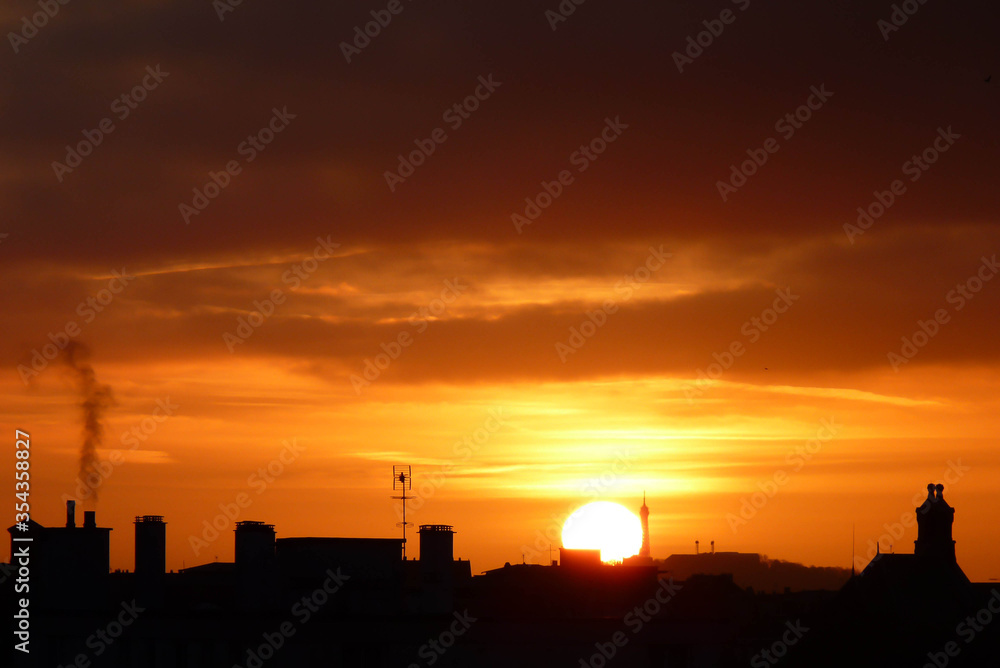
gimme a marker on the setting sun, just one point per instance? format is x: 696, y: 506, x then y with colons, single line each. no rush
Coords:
x: 603, y: 525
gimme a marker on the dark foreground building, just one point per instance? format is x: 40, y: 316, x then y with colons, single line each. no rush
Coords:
x: 318, y: 601
x: 911, y: 609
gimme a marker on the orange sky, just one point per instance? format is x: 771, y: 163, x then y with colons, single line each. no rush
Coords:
x: 501, y: 456
x: 576, y: 352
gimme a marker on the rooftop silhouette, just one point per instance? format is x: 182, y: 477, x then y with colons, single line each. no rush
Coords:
x: 357, y: 601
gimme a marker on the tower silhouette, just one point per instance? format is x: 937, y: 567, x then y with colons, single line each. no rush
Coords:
x: 150, y: 545
x: 934, y: 521
x: 644, y: 515
x: 150, y: 559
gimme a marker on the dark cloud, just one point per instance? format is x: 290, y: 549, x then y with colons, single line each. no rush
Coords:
x: 853, y: 306
x: 326, y: 169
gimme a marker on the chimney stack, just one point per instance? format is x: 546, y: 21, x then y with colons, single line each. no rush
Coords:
x: 70, y: 514
x: 89, y: 519
x: 255, y: 546
x: 934, y: 524
x: 437, y: 550
x: 150, y: 545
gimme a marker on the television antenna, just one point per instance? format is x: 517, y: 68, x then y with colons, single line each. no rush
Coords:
x: 402, y: 482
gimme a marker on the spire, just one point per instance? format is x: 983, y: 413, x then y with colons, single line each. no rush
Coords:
x: 644, y: 514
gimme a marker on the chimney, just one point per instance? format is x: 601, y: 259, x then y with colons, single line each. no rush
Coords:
x: 89, y: 519
x: 150, y: 545
x: 437, y: 550
x: 934, y: 528
x: 70, y: 514
x: 255, y: 546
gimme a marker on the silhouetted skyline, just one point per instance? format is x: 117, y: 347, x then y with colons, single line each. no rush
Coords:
x: 337, y: 583
x: 729, y: 265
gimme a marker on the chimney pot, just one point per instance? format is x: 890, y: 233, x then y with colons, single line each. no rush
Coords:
x: 89, y: 519
x: 70, y: 514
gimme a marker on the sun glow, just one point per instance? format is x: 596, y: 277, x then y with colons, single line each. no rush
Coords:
x: 605, y: 526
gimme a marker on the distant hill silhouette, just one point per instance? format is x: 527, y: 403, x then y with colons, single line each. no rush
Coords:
x: 756, y: 571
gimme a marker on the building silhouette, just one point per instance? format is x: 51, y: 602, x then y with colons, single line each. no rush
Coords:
x: 910, y: 609
x: 348, y: 601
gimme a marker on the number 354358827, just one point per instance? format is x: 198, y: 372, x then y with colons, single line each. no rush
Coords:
x: 22, y: 476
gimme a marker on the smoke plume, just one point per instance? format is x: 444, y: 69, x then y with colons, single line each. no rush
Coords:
x: 95, y: 399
